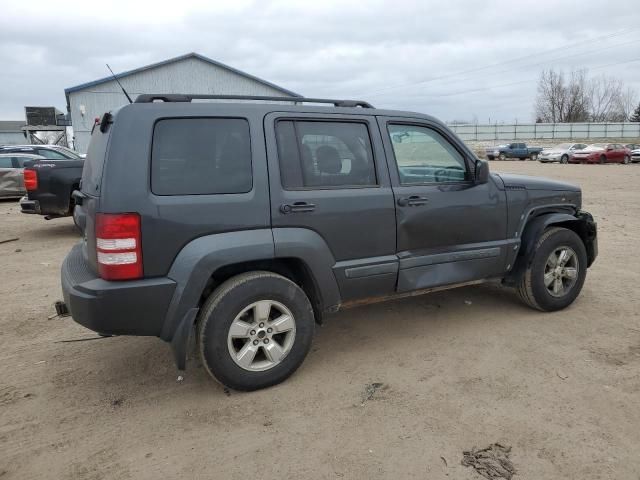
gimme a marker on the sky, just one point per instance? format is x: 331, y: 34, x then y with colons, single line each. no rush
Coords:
x: 462, y: 60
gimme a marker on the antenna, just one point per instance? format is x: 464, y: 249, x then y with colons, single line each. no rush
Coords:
x: 116, y: 79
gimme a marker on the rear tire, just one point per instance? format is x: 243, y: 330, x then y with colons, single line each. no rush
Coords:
x: 255, y: 330
x: 537, y: 286
x: 603, y: 159
x: 534, y: 156
x: 502, y: 156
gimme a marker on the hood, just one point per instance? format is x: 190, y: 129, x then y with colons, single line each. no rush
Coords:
x: 511, y: 180
x: 552, y: 151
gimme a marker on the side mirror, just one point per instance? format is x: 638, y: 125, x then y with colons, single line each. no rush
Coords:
x: 482, y: 171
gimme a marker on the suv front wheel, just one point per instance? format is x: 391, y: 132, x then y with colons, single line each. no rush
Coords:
x: 255, y: 330
x: 557, y: 272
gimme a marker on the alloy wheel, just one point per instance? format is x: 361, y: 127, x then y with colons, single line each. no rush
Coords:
x: 261, y: 335
x: 561, y: 271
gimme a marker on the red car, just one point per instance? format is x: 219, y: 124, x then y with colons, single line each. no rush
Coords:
x: 602, y: 153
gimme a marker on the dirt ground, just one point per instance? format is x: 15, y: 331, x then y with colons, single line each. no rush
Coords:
x: 460, y: 369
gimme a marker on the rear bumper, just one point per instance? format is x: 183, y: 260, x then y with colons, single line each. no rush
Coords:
x: 135, y: 307
x: 29, y: 206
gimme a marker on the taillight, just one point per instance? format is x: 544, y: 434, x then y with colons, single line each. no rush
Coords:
x: 30, y: 179
x: 118, y: 243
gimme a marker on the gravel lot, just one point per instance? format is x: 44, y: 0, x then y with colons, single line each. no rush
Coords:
x: 459, y: 369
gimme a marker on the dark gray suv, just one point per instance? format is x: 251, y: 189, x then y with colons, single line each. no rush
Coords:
x: 247, y: 220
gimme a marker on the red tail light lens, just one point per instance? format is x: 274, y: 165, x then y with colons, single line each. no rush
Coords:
x: 118, y: 242
x: 30, y: 179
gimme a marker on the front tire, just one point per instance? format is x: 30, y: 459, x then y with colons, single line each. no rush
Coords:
x: 564, y: 159
x: 555, y: 276
x: 603, y: 159
x: 533, y: 156
x: 255, y: 330
x: 626, y: 160
x: 502, y: 157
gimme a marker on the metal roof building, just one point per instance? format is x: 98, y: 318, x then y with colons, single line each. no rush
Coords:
x: 11, y: 132
x: 190, y: 73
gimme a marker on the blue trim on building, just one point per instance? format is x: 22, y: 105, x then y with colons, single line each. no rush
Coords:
x: 83, y: 86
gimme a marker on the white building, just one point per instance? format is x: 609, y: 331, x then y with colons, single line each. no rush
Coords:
x: 190, y: 73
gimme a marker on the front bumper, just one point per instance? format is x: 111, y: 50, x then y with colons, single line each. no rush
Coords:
x: 134, y: 307
x: 29, y: 206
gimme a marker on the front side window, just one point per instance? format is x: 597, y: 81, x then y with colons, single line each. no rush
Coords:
x: 319, y: 154
x: 198, y: 156
x: 424, y: 156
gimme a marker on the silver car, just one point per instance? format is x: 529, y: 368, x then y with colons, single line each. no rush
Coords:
x: 560, y: 153
x: 11, y: 178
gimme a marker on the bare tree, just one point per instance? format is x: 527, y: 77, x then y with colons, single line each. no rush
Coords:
x: 627, y: 103
x: 582, y: 99
x: 604, y: 98
x: 560, y: 100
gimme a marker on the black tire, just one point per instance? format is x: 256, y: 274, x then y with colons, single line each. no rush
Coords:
x: 564, y: 159
x: 531, y: 288
x: 626, y: 160
x: 533, y: 156
x: 502, y: 157
x: 220, y: 310
x: 603, y: 159
x: 490, y: 157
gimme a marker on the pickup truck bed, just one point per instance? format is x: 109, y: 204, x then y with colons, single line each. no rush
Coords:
x: 56, y: 181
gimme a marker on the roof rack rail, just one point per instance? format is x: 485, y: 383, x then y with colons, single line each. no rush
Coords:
x: 172, y: 97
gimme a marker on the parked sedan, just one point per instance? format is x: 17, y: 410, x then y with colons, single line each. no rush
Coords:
x: 11, y: 178
x: 561, y: 153
x: 602, y: 153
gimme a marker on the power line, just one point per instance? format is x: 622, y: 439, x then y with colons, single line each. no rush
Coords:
x: 513, y: 83
x: 553, y: 60
x: 513, y: 60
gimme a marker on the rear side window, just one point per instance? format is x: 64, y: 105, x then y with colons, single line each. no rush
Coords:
x: 199, y: 156
x: 52, y: 154
x: 318, y: 154
x: 5, y: 162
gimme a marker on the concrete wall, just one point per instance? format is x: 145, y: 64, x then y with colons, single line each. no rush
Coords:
x: 190, y: 75
x: 565, y: 131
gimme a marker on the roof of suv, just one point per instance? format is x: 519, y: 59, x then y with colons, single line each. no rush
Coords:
x: 267, y: 104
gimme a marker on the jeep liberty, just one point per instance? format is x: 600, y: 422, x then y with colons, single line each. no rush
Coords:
x: 245, y: 220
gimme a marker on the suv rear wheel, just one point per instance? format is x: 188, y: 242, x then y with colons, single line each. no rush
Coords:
x: 255, y: 330
x: 555, y: 277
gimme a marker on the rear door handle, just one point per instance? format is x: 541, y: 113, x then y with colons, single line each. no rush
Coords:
x: 297, y: 207
x: 412, y: 201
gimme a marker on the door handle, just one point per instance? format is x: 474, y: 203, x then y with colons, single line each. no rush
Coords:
x: 412, y: 201
x: 297, y: 207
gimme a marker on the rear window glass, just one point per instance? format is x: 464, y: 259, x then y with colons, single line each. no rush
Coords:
x: 94, y: 162
x: 199, y: 156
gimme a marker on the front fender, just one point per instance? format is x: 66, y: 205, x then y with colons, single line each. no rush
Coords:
x: 582, y: 223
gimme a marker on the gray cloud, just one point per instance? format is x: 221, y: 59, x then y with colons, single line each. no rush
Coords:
x: 391, y: 53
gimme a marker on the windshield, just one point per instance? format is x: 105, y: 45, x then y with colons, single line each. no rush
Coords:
x: 597, y: 146
x: 563, y: 146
